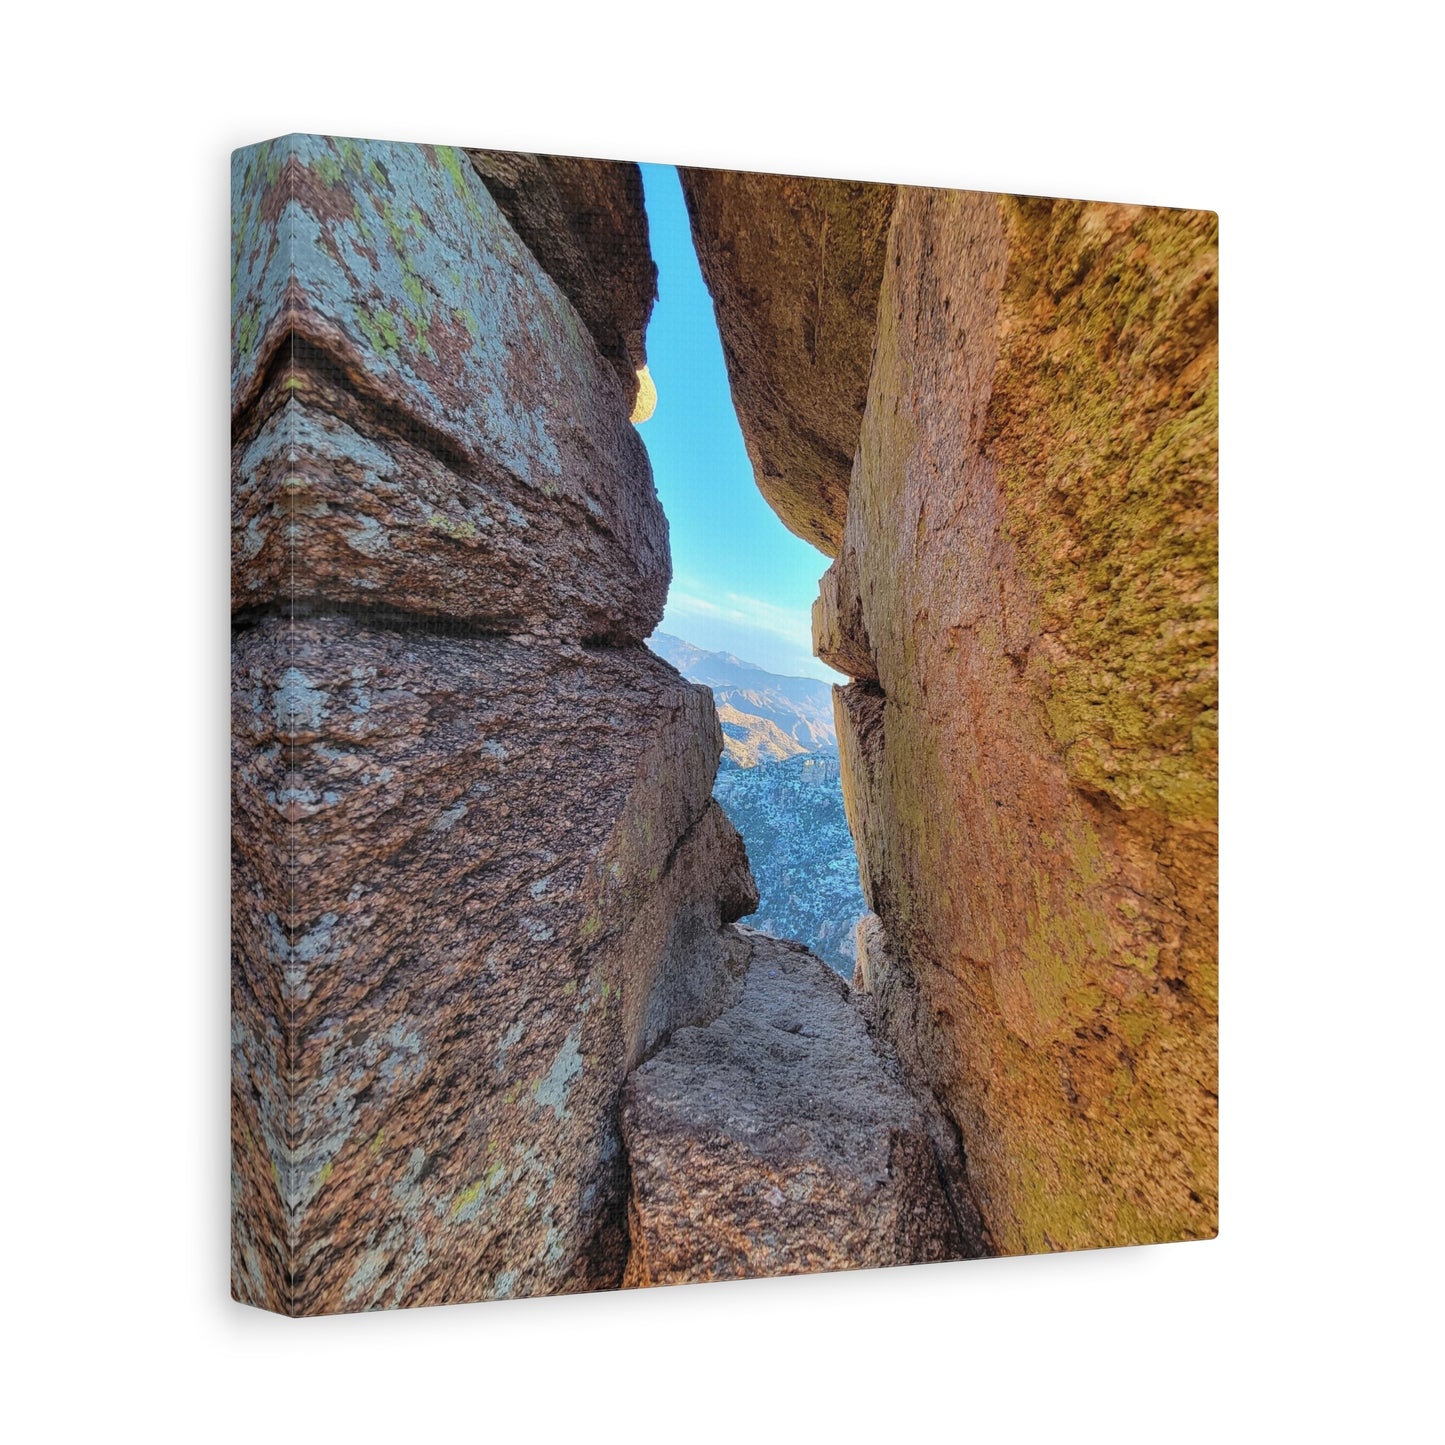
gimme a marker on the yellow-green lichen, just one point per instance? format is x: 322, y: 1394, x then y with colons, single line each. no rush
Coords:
x: 248, y: 330
x: 380, y: 329
x: 1104, y: 425
x: 456, y: 165
x: 327, y: 169
x: 457, y: 531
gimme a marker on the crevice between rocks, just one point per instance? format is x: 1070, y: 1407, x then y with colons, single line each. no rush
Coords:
x: 377, y: 618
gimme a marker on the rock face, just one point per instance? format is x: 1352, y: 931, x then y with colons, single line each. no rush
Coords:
x: 478, y: 874
x: 584, y: 222
x: 488, y: 925
x: 389, y: 457
x: 1025, y: 595
x: 794, y: 265
x: 779, y: 1140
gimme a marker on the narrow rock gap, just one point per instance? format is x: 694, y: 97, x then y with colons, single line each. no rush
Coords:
x: 738, y: 615
x: 497, y: 1027
x: 781, y: 1134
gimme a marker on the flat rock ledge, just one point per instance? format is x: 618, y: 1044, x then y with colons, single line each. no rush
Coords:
x: 780, y: 1139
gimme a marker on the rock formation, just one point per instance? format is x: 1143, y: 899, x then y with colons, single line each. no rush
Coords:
x: 794, y: 265
x: 779, y: 1139
x: 584, y: 222
x: 1024, y: 595
x: 478, y: 874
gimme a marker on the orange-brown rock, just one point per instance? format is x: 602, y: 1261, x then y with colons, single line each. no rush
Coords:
x: 779, y: 1139
x: 840, y: 636
x: 794, y: 265
x: 1026, y: 598
x: 478, y: 874
x: 585, y: 223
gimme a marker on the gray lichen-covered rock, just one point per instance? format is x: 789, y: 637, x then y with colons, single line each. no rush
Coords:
x: 422, y: 421
x: 779, y: 1139
x: 584, y: 221
x: 482, y: 928
x: 478, y: 874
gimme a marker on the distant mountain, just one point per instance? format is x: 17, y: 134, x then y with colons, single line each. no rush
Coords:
x: 765, y: 718
x: 801, y: 852
x: 778, y: 781
x: 749, y: 740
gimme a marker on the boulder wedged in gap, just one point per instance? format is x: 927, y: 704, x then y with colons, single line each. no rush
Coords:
x: 840, y: 636
x: 780, y: 1139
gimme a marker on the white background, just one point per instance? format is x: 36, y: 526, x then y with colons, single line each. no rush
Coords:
x: 1313, y: 1317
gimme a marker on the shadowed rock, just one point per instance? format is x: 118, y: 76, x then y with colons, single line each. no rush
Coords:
x: 585, y: 223
x: 794, y: 265
x: 779, y: 1140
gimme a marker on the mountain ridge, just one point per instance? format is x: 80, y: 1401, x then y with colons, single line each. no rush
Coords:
x: 766, y: 716
x: 780, y: 784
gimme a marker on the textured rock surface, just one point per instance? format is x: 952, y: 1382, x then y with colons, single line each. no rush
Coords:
x: 887, y: 996
x: 1025, y: 596
x: 488, y: 925
x: 794, y: 265
x: 478, y: 873
x: 779, y: 1140
x: 585, y: 223
x: 1032, y: 776
x: 422, y: 423
x: 840, y: 637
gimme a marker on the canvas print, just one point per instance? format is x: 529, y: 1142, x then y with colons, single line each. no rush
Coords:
x: 724, y: 724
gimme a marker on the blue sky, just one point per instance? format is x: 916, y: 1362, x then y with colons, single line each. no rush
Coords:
x: 741, y: 582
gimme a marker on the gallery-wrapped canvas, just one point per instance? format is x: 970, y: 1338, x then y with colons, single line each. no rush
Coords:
x: 613, y: 908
